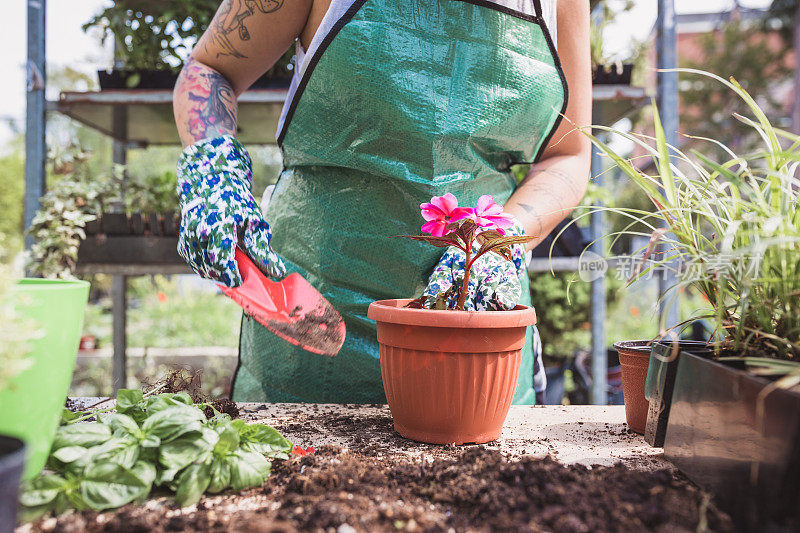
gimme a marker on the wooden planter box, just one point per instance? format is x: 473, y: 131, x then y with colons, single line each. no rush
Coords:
x: 718, y: 438
x: 141, y: 243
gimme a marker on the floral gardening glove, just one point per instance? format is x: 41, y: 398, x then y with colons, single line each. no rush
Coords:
x: 494, y: 283
x: 218, y: 212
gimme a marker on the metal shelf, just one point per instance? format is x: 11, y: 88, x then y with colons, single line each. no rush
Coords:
x: 145, y: 116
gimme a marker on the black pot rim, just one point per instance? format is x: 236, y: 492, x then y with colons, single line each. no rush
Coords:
x: 9, y: 448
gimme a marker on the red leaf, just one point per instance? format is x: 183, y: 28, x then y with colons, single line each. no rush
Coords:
x: 441, y: 242
x: 299, y: 450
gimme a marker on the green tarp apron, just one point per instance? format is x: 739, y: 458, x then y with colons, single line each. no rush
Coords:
x: 395, y: 101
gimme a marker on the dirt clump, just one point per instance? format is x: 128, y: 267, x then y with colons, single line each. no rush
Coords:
x: 181, y: 379
x: 478, y: 490
x: 223, y: 405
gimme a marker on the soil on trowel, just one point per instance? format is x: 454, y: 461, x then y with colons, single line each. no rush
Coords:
x: 476, y: 490
x: 318, y: 328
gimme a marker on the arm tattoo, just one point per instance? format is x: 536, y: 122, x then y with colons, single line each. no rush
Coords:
x: 211, y: 101
x: 230, y: 21
x: 556, y: 191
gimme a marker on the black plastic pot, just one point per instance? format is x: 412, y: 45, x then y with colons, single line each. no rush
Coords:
x: 660, y: 384
x: 609, y: 75
x: 165, y: 79
x: 719, y: 437
x: 12, y: 461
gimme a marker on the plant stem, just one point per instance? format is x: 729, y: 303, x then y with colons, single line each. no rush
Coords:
x: 462, y: 296
x: 107, y: 409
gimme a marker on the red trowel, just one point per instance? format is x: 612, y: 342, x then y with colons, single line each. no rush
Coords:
x: 291, y: 308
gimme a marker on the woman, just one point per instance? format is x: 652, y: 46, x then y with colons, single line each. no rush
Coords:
x: 393, y: 102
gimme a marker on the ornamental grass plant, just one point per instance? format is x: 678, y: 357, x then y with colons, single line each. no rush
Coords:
x: 727, y: 225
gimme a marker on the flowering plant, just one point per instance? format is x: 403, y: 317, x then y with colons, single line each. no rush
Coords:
x: 475, y: 231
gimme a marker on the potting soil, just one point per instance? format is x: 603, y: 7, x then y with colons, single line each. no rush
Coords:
x: 476, y: 490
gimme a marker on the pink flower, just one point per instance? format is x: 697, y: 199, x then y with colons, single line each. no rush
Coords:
x: 441, y: 211
x: 488, y: 214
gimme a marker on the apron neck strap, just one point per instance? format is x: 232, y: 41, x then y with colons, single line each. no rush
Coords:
x: 537, y: 7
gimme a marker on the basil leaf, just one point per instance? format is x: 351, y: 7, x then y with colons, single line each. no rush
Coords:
x: 220, y: 475
x: 167, y: 476
x: 190, y: 448
x: 89, y: 434
x: 121, y: 450
x: 261, y: 438
x: 69, y: 454
x: 228, y: 439
x: 218, y: 419
x: 248, y: 469
x: 174, y: 421
x: 72, y: 497
x: 42, y: 490
x: 127, y: 399
x: 150, y: 441
x: 110, y: 485
x: 160, y: 402
x: 122, y: 425
x: 145, y: 471
x: 192, y: 483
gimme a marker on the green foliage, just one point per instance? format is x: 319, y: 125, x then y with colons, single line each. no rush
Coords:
x: 564, y: 327
x: 159, y: 36
x: 734, y: 224
x: 168, y: 318
x: 75, y: 196
x: 12, y: 191
x: 739, y: 50
x: 152, y: 440
x: 151, y: 192
x: 564, y: 320
x: 154, y: 38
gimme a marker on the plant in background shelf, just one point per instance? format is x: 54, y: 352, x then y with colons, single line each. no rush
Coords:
x: 158, y: 37
x: 75, y: 197
x: 607, y: 68
x: 151, y: 193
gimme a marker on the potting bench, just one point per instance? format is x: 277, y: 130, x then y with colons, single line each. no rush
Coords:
x: 570, y: 434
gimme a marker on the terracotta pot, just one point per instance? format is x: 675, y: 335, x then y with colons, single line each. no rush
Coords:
x: 449, y: 376
x: 634, y: 358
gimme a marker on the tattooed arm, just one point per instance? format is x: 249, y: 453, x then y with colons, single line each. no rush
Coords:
x: 245, y: 38
x: 556, y: 184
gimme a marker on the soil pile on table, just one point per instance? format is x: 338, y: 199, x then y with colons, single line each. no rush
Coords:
x: 479, y: 490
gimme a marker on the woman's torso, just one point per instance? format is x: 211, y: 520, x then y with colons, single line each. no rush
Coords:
x: 393, y: 102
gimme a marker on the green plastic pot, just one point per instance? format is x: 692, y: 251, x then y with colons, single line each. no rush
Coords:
x: 30, y: 406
